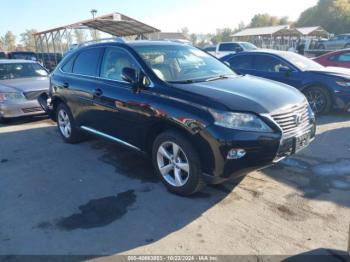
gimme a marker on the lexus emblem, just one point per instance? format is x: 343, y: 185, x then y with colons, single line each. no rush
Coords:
x: 298, y: 119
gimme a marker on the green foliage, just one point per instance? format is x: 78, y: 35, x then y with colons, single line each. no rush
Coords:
x: 261, y: 20
x: 332, y: 15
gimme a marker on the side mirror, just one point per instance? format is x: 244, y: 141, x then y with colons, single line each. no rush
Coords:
x: 129, y: 75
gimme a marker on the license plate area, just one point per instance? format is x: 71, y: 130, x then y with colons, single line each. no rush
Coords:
x: 302, y: 141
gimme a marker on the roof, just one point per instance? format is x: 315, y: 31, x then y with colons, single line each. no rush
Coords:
x: 312, y: 30
x: 16, y: 61
x: 270, y: 30
x: 116, y: 24
x: 167, y: 35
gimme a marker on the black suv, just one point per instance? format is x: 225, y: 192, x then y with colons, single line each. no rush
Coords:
x: 200, y: 122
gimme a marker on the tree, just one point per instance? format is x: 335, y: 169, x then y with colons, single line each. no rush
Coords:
x: 222, y: 35
x: 332, y: 15
x: 9, y: 41
x: 185, y: 32
x: 80, y: 36
x: 28, y: 40
x: 2, y: 44
x: 193, y: 38
x: 261, y: 20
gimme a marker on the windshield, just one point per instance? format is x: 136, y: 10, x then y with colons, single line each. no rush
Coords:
x: 248, y: 46
x: 301, y: 62
x: 176, y: 63
x: 25, y: 56
x: 21, y: 70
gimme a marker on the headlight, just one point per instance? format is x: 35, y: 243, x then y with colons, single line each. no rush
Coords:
x: 11, y: 96
x: 240, y: 121
x: 343, y: 83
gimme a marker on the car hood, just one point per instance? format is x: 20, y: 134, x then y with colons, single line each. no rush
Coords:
x: 333, y: 71
x: 25, y: 84
x: 247, y: 93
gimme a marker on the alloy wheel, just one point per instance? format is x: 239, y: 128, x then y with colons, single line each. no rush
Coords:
x: 317, y: 100
x: 173, y: 164
x: 64, y: 123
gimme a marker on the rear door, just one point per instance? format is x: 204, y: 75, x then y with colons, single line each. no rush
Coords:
x: 80, y: 85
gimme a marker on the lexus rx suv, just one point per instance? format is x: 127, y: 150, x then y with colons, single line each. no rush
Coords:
x: 199, y: 121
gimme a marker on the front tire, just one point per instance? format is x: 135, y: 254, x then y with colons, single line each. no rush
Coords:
x: 319, y: 99
x: 66, y: 125
x: 177, y: 163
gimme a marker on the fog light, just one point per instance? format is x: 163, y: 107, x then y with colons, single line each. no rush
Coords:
x: 236, y: 153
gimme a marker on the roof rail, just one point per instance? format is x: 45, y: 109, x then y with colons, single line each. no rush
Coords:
x: 102, y: 40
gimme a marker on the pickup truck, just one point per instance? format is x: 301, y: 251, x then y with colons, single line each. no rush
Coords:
x: 225, y: 48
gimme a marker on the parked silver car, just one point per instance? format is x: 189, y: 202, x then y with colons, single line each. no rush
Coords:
x: 335, y: 43
x: 21, y: 82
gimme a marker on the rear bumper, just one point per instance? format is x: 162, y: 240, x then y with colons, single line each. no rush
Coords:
x: 11, y: 109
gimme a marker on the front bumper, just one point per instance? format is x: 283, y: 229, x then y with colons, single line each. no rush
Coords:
x: 9, y: 109
x: 262, y: 150
x: 342, y: 99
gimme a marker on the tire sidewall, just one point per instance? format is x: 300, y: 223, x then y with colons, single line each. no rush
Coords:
x: 194, y: 182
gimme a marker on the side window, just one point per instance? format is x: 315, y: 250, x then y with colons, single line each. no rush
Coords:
x: 68, y: 66
x: 345, y: 57
x: 268, y: 63
x: 228, y: 47
x: 114, y: 60
x: 241, y: 62
x: 87, y: 62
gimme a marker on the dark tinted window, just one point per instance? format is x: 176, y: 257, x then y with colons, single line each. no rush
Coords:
x: 268, y: 63
x: 241, y: 62
x: 68, y: 66
x: 2, y: 55
x: 87, y: 62
x: 228, y: 47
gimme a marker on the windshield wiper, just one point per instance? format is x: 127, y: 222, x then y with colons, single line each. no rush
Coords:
x: 217, y: 78
x: 189, y: 81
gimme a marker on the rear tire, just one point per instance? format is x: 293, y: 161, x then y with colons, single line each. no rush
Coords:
x: 66, y: 125
x: 177, y: 163
x: 319, y: 99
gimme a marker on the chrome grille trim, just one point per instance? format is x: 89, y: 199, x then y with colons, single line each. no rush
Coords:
x: 287, y: 120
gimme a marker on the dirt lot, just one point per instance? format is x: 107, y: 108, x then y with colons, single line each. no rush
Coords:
x: 101, y: 199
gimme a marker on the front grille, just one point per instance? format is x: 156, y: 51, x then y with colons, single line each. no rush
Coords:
x: 32, y: 109
x: 33, y: 95
x: 293, y: 120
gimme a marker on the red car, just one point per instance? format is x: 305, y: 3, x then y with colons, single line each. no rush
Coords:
x: 339, y: 58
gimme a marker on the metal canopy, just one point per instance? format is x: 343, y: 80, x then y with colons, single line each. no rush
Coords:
x: 58, y: 40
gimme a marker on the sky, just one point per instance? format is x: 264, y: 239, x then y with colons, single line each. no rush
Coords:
x: 199, y: 16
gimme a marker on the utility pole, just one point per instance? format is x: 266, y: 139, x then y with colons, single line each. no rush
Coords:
x: 94, y: 12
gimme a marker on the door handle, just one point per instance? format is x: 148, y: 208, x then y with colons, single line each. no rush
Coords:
x: 65, y: 85
x: 98, y: 92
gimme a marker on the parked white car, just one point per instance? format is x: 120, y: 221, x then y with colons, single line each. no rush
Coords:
x: 225, y: 48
